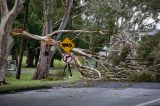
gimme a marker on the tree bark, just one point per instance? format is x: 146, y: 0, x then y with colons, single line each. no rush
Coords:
x: 52, y: 62
x: 30, y: 58
x: 42, y: 69
x: 68, y: 7
x: 14, y: 53
x: 37, y: 52
x: 46, y: 54
x: 18, y: 74
x: 6, y: 41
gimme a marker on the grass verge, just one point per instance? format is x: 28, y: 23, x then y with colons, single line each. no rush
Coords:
x: 25, y: 83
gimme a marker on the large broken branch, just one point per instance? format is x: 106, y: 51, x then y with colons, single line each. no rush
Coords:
x: 74, y: 31
x: 22, y: 32
x: 87, y: 71
x: 50, y: 41
x: 93, y: 72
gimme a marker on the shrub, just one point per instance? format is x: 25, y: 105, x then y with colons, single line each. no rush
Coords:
x: 149, y: 49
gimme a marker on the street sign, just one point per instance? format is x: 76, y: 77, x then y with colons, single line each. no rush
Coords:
x: 67, y: 58
x: 67, y: 45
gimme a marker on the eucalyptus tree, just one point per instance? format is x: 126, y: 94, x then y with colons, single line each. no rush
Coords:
x: 123, y: 19
x: 44, y: 58
x: 43, y: 65
x: 6, y: 41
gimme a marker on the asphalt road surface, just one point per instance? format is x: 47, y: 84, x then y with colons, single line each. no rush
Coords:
x: 104, y: 94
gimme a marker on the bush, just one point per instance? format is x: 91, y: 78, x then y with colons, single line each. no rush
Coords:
x: 117, y: 57
x: 156, y: 55
x: 149, y: 49
x: 144, y: 77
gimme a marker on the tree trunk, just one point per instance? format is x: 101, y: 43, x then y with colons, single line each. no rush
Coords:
x: 18, y: 74
x: 6, y: 41
x: 52, y: 62
x: 37, y: 52
x: 30, y: 58
x: 46, y: 54
x: 68, y: 6
x: 3, y: 55
x: 14, y: 53
x: 42, y: 69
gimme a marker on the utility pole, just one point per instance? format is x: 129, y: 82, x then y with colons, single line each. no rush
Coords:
x: 18, y: 74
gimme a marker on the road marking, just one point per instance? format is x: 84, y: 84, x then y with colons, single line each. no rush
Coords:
x: 149, y: 102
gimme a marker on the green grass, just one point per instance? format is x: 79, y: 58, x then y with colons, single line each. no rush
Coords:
x: 23, y: 61
x: 26, y: 83
x: 27, y: 73
x: 57, y: 63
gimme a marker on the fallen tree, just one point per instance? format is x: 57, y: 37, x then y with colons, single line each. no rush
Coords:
x: 47, y: 40
x: 105, y: 70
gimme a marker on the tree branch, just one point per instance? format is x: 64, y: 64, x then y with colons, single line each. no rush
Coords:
x: 69, y: 4
x: 87, y: 71
x: 4, y: 7
x: 74, y: 31
x: 47, y: 40
x: 16, y: 32
x: 18, y: 6
x: 37, y: 37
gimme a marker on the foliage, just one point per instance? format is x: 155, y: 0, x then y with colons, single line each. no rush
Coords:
x: 156, y: 55
x: 149, y: 49
x: 125, y: 51
x: 145, y: 77
x: 109, y: 15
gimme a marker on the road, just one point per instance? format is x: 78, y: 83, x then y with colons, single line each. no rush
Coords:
x: 104, y: 94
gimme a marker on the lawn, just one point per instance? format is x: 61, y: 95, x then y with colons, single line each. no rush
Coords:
x: 57, y: 63
x: 26, y: 82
